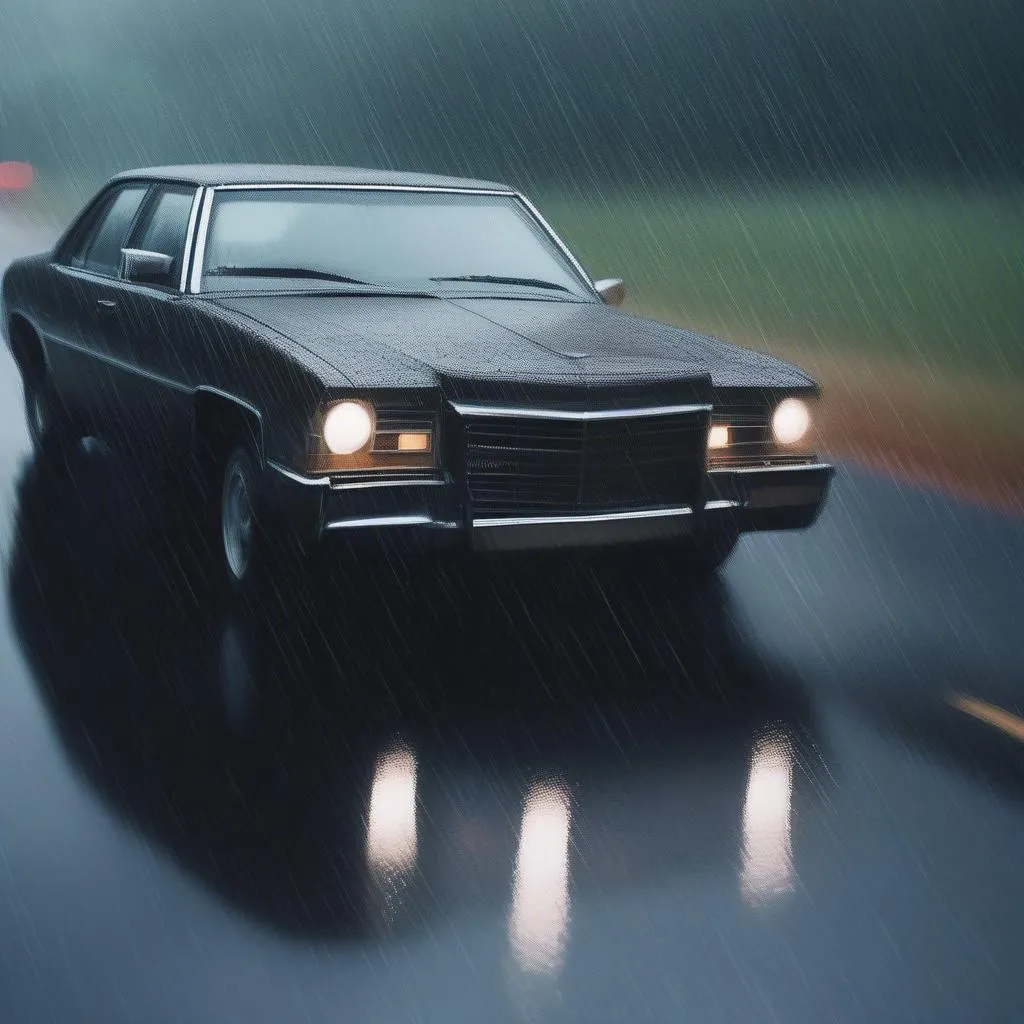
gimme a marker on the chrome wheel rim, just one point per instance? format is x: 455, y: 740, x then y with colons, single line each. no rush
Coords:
x: 237, y: 519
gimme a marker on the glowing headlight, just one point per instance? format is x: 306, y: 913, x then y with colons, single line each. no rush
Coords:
x: 718, y: 436
x: 348, y: 427
x: 791, y: 421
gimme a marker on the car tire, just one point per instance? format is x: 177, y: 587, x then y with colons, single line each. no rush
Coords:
x: 251, y: 557
x: 242, y: 542
x: 49, y: 426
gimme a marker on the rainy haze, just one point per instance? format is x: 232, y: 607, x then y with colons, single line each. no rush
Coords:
x: 572, y: 93
x: 595, y: 784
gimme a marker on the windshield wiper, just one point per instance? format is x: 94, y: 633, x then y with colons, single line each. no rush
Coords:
x: 530, y: 282
x: 296, y: 272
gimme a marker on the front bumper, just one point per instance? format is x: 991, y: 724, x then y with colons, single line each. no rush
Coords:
x: 770, y: 497
x: 761, y: 498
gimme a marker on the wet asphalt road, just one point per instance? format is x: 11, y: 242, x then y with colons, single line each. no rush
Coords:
x: 548, y: 790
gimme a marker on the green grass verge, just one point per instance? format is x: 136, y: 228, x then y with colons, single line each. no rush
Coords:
x: 921, y: 277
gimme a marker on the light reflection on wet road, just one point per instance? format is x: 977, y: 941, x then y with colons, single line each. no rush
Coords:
x: 538, y: 791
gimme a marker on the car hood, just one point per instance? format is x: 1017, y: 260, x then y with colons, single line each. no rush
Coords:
x: 394, y: 341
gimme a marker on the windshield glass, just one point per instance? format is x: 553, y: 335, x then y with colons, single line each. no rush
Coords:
x: 442, y: 242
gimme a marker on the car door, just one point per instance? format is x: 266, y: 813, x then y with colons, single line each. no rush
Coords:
x: 78, y: 309
x: 144, y: 330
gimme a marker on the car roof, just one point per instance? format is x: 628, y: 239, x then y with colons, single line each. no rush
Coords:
x: 285, y: 174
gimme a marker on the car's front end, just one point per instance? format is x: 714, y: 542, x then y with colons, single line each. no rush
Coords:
x: 491, y: 468
x: 480, y: 391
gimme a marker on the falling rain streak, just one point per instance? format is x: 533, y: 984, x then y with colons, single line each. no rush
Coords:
x: 767, y: 821
x: 539, y: 920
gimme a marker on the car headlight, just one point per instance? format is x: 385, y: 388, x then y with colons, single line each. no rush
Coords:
x: 791, y: 421
x: 348, y: 427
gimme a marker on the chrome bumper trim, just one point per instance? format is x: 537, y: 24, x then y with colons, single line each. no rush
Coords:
x: 806, y: 467
x: 352, y: 485
x: 374, y: 522
x: 362, y: 485
x: 553, y: 532
x: 606, y: 517
x: 527, y: 412
x: 308, y: 481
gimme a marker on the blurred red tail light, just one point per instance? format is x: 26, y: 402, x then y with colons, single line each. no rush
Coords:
x: 15, y: 176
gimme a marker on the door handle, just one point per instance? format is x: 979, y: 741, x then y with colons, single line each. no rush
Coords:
x: 106, y: 305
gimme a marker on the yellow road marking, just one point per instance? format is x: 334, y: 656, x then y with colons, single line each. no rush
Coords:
x: 1005, y: 721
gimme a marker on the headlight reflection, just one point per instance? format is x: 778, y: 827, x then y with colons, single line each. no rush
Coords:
x: 391, y: 843
x: 767, y: 819
x: 539, y: 919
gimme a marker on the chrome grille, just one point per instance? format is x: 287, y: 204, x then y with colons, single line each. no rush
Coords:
x: 530, y: 465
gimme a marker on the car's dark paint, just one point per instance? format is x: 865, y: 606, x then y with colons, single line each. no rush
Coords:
x: 409, y: 342
x: 141, y: 367
x: 156, y: 365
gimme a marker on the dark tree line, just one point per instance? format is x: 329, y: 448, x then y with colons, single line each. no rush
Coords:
x: 592, y: 91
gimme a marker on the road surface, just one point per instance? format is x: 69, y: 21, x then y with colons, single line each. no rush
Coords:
x: 546, y: 791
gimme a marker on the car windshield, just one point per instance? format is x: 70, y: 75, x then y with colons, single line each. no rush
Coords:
x: 441, y: 242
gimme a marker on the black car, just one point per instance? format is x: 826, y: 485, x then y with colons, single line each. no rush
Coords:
x: 342, y: 350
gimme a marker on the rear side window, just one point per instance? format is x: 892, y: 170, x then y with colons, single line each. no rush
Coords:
x: 100, y: 248
x: 167, y: 226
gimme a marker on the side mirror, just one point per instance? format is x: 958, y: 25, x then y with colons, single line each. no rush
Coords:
x: 612, y: 290
x: 144, y: 267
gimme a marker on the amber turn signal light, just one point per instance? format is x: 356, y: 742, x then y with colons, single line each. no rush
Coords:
x: 414, y: 442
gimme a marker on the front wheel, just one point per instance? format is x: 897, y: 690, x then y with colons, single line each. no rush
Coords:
x: 49, y: 426
x: 252, y: 553
x: 240, y: 537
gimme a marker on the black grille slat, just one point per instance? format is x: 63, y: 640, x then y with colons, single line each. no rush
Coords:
x: 518, y: 466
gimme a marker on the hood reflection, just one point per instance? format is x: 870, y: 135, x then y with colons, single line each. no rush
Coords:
x: 767, y: 820
x: 539, y: 920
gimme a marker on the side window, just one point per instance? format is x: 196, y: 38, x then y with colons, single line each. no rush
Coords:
x: 99, y: 250
x: 167, y: 226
